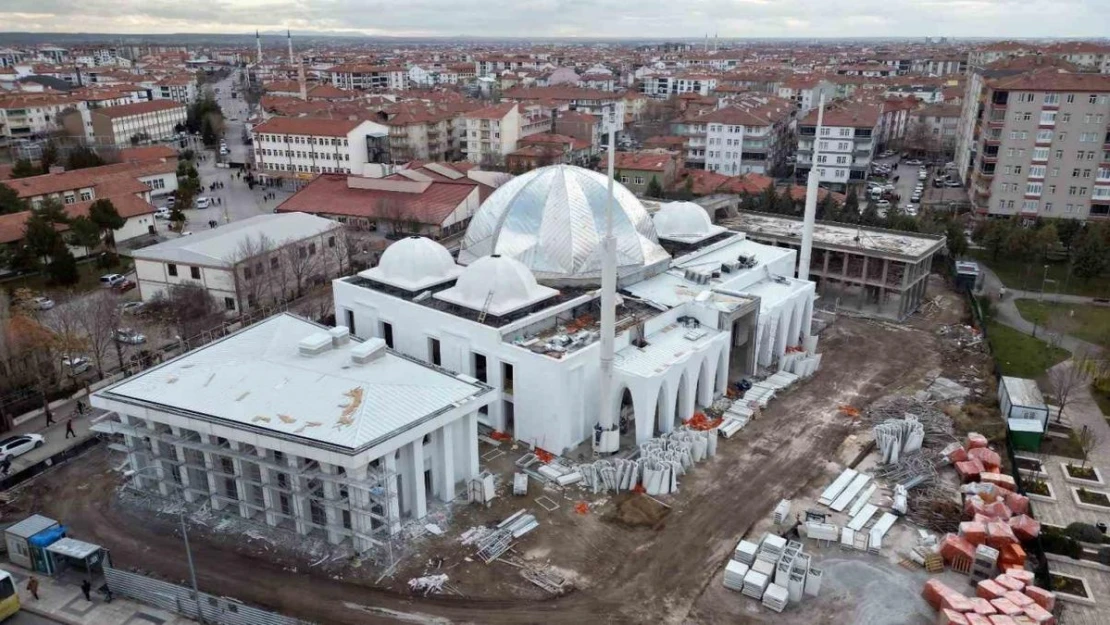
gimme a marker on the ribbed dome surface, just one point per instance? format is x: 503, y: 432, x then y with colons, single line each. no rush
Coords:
x: 685, y: 219
x: 414, y: 262
x: 496, y: 283
x: 552, y: 220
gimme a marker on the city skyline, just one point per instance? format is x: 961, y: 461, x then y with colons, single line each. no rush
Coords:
x: 569, y: 18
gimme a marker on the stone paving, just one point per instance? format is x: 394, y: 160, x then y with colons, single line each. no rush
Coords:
x: 1098, y: 582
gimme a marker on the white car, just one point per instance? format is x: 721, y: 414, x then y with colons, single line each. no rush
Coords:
x: 883, y: 204
x: 111, y: 280
x: 204, y: 202
x: 42, y: 303
x: 73, y: 365
x: 129, y: 336
x: 163, y: 213
x: 14, y: 446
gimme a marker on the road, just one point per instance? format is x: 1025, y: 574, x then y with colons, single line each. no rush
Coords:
x: 26, y: 618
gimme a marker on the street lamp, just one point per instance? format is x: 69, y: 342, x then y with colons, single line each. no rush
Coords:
x: 188, y: 552
x: 1044, y: 281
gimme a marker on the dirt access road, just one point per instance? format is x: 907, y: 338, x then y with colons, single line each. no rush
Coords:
x: 631, y: 575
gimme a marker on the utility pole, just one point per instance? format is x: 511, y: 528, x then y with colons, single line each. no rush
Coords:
x: 192, y: 569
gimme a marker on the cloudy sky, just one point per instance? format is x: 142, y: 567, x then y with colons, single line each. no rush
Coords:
x: 571, y: 18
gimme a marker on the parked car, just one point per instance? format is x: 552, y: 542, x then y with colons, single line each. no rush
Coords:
x: 170, y: 201
x: 204, y: 201
x: 922, y: 176
x: 131, y: 308
x: 14, y: 446
x: 913, y: 161
x: 188, y: 232
x: 129, y: 336
x: 163, y: 213
x: 938, y: 182
x: 75, y: 365
x: 953, y: 183
x: 111, y: 280
x: 42, y: 303
x: 883, y: 204
x: 124, y: 286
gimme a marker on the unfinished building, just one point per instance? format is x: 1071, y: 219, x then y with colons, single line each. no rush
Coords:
x: 297, y: 426
x: 873, y: 271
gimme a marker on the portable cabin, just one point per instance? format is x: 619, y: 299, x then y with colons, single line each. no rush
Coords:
x: 1024, y: 409
x: 24, y: 541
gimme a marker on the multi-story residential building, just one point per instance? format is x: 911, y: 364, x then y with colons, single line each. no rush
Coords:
x: 601, y: 104
x: 542, y: 149
x: 122, y: 125
x: 295, y: 149
x: 181, y: 89
x: 846, y: 144
x: 666, y: 85
x: 1044, y: 146
x: 492, y: 133
x: 806, y: 91
x: 749, y: 136
x: 420, y: 133
x: 582, y: 126
x: 938, y: 124
x: 369, y: 77
x: 29, y: 115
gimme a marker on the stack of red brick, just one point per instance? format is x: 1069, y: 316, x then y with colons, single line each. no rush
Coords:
x: 1009, y: 599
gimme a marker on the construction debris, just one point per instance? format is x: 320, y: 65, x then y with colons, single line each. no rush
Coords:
x: 428, y: 584
x: 896, y: 437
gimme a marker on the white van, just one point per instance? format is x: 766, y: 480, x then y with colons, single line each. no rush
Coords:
x: 204, y: 202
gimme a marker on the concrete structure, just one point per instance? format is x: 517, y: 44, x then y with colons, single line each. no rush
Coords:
x: 1043, y: 147
x: 869, y: 270
x: 1024, y: 410
x: 492, y: 133
x: 636, y: 170
x: 847, y: 143
x: 749, y: 136
x: 254, y: 261
x: 698, y: 306
x: 147, y: 121
x: 294, y: 425
x: 369, y: 77
x: 296, y: 149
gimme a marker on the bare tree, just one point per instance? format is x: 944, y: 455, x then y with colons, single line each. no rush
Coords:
x: 187, y: 307
x: 393, y: 211
x: 1088, y: 441
x: 69, y: 339
x: 249, y: 260
x: 303, y: 261
x: 1065, y: 378
x: 99, y: 319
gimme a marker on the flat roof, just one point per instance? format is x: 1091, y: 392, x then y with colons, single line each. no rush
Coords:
x: 664, y: 348
x: 224, y: 245
x: 73, y: 548
x: 31, y: 525
x: 839, y: 236
x: 258, y: 379
x: 1023, y: 392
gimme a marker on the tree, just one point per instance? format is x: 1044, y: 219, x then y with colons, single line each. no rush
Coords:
x: 851, y: 203
x: 1066, y: 378
x: 654, y: 189
x: 250, y: 259
x: 302, y: 261
x: 82, y: 156
x: 84, y: 233
x: 10, y: 202
x: 62, y: 269
x: 1045, y: 241
x: 24, y: 168
x: 1088, y: 440
x: 40, y: 233
x: 1089, y: 255
x: 64, y: 320
x: 99, y: 318
x: 956, y: 241
x: 49, y: 156
x: 103, y: 213
x: 188, y: 308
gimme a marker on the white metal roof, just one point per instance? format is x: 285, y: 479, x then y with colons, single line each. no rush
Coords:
x: 257, y: 377
x: 669, y: 345
x: 1023, y: 392
x: 31, y: 525
x: 73, y: 548
x: 221, y: 246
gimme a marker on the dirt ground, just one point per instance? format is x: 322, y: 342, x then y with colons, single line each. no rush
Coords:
x: 622, y: 574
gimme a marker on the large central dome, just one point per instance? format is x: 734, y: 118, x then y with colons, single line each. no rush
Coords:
x: 552, y: 220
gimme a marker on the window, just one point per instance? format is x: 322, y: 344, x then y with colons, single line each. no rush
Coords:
x: 1026, y: 117
x: 1017, y: 169
x: 1033, y: 188
x: 1065, y: 118
x: 624, y: 179
x: 331, y: 241
x: 171, y: 269
x: 433, y: 351
x: 312, y: 249
x: 229, y: 303
x: 1063, y: 136
x: 1036, y: 171
x: 194, y: 272
x: 387, y: 334
x: 1055, y: 171
x: 86, y: 196
x: 1009, y: 169
x: 1052, y: 98
x: 1086, y: 173
x: 1048, y: 117
x: 1010, y: 152
x: 1052, y: 188
x: 274, y: 262
x: 1040, y: 154
x: 1091, y: 99
x: 1048, y: 207
x: 1071, y: 190
x: 1070, y: 98
x: 247, y: 273
x: 1044, y: 135
x: 1029, y: 206
x: 638, y: 180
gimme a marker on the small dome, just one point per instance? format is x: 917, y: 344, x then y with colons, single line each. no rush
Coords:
x: 552, y: 219
x: 506, y: 283
x: 685, y: 219
x: 414, y: 263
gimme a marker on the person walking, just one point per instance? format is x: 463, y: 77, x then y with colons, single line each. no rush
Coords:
x: 33, y: 587
x: 69, y: 429
x: 85, y: 588
x: 80, y: 407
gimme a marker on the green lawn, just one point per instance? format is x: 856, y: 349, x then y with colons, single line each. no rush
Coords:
x: 1088, y: 322
x: 1102, y: 399
x: 1028, y: 276
x: 1021, y: 355
x: 89, y: 279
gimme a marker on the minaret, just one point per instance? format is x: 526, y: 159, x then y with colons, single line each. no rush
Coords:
x: 811, y: 199
x: 301, y: 79
x: 258, y: 45
x: 289, y: 39
x: 607, y: 436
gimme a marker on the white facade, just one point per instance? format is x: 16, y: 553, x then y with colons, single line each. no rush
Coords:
x: 835, y: 147
x: 342, y: 440
x: 147, y: 121
x: 311, y: 150
x: 492, y: 136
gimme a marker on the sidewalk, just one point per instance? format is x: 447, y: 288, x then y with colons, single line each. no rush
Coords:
x: 64, y: 602
x: 55, y: 434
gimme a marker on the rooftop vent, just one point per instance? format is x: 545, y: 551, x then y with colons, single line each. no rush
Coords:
x: 314, y: 344
x: 367, y: 351
x: 340, y: 335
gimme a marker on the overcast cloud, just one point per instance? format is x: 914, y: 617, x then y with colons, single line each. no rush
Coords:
x: 572, y: 18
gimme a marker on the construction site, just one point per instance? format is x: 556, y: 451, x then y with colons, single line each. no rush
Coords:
x: 647, y: 536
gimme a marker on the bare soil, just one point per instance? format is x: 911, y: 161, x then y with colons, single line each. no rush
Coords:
x: 630, y: 563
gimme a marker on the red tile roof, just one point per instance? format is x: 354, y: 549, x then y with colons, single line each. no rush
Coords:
x: 127, y: 204
x: 115, y: 178
x: 314, y: 126
x: 329, y: 194
x: 643, y: 160
x: 1050, y: 79
x: 147, y: 153
x: 497, y: 111
x: 709, y: 182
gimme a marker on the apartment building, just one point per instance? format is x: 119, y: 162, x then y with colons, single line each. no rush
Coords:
x: 181, y: 89
x: 1044, y: 146
x: 369, y: 77
x: 666, y: 85
x: 295, y: 149
x: 749, y: 136
x: 806, y: 91
x: 29, y: 115
x: 121, y: 125
x: 636, y: 170
x: 420, y: 133
x: 492, y: 133
x: 938, y: 123
x: 590, y: 101
x: 846, y: 145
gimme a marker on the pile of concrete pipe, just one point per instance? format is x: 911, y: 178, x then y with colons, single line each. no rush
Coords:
x: 897, y: 437
x: 658, y: 465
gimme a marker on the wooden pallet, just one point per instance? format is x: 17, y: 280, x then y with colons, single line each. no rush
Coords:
x: 934, y: 563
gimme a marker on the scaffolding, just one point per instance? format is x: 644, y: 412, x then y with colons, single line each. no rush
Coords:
x: 305, y: 480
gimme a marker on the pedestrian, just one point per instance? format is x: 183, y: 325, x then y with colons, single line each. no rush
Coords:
x: 49, y: 415
x: 5, y: 465
x: 85, y: 588
x: 33, y: 587
x: 69, y: 429
x: 80, y: 407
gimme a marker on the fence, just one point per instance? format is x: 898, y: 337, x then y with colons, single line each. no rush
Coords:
x: 1040, y: 569
x: 181, y: 600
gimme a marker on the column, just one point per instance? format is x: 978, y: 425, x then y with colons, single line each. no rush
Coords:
x: 159, y: 467
x: 807, y: 316
x: 883, y: 289
x: 245, y: 511
x: 825, y: 272
x: 213, y: 481
x: 414, y: 478
x: 333, y: 515
x: 269, y: 501
x: 301, y: 513
x: 863, y: 285
x: 470, y: 430
x: 443, y: 463
x: 390, y: 500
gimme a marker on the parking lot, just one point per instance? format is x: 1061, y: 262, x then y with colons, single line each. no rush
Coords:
x: 904, y: 178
